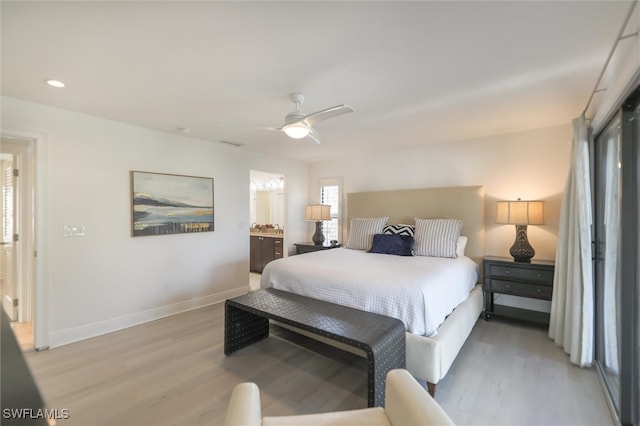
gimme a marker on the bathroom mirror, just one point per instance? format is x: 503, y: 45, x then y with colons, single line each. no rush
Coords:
x: 267, y: 198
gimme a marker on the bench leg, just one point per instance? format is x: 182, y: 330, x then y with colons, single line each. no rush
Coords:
x: 388, y: 355
x: 242, y: 328
x: 431, y: 387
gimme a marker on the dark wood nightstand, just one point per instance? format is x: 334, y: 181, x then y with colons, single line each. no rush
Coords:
x: 504, y: 275
x: 310, y: 247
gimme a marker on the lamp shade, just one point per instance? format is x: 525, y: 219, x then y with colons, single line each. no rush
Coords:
x: 318, y: 212
x: 520, y: 212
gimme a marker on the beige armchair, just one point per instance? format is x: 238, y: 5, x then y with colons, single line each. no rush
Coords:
x: 406, y: 403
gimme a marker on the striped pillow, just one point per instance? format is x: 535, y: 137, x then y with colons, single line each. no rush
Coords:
x: 362, y: 231
x: 437, y: 237
x: 401, y: 229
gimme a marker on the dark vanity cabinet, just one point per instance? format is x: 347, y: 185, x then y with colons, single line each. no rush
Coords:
x: 263, y: 250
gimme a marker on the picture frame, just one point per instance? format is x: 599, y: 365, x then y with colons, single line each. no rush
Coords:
x: 163, y: 204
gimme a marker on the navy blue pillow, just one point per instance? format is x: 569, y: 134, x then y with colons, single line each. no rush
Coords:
x: 399, y: 245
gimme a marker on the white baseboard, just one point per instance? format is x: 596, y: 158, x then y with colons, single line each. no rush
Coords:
x: 75, y: 334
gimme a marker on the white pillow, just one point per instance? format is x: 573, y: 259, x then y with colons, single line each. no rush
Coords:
x: 362, y: 230
x: 437, y: 237
x: 461, y: 245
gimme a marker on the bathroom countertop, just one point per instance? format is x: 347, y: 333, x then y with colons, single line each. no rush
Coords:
x: 267, y: 234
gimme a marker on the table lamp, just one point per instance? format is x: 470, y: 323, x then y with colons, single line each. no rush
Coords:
x: 520, y: 213
x: 318, y: 213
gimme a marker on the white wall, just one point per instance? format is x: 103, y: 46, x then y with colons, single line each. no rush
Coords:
x: 529, y: 165
x: 108, y: 280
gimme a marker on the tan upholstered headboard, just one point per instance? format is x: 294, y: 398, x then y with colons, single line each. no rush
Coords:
x: 402, y: 206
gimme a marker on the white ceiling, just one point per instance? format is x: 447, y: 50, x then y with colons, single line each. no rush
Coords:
x: 416, y: 72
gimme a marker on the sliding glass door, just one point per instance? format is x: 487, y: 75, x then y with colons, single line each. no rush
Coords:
x: 607, y: 228
x: 616, y: 164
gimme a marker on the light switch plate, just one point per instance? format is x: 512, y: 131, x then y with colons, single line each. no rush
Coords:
x: 74, y: 231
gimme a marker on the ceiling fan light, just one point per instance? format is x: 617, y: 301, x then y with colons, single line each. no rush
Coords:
x: 296, y: 130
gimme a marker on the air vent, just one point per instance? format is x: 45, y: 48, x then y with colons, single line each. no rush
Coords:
x: 234, y: 143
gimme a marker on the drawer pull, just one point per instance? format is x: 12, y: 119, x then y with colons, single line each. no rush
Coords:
x: 539, y: 290
x: 539, y: 275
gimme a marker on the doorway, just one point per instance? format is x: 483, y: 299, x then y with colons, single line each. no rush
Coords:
x: 267, y: 205
x: 17, y: 287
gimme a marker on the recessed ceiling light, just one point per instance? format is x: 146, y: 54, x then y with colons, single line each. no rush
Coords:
x: 55, y: 83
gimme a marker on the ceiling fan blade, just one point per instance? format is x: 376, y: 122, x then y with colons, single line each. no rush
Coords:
x: 318, y: 116
x: 314, y: 136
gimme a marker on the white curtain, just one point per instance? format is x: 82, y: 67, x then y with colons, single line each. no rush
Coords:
x: 572, y: 306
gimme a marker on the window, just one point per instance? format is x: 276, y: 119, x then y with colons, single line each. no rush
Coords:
x: 331, y: 194
x: 7, y: 201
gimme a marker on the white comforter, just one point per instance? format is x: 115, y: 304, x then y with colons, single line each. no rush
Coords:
x: 421, y: 291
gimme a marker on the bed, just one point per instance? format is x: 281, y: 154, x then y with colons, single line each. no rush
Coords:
x: 437, y: 298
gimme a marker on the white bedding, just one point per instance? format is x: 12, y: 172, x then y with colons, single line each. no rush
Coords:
x: 421, y: 291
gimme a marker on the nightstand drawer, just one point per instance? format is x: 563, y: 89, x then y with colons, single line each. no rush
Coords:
x: 519, y: 289
x: 538, y: 275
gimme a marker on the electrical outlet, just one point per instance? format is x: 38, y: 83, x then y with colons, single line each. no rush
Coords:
x: 74, y: 231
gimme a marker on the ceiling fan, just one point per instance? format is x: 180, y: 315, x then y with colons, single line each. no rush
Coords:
x: 297, y: 125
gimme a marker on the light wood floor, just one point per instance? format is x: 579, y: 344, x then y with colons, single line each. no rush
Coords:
x: 173, y: 371
x: 24, y: 334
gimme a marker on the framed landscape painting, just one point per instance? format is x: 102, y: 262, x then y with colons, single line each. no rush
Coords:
x: 170, y: 204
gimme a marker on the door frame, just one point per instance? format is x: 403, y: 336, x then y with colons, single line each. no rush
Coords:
x: 629, y: 264
x: 40, y: 246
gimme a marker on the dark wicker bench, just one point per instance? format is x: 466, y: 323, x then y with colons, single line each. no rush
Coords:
x: 381, y: 338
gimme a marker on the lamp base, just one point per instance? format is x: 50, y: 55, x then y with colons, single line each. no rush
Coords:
x: 521, y: 250
x: 318, y: 237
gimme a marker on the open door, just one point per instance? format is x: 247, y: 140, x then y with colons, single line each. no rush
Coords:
x: 8, y: 267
